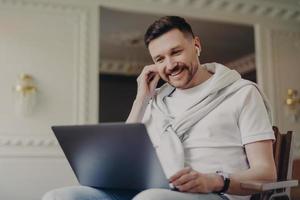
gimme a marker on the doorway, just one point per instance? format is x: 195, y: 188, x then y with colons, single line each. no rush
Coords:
x: 123, y: 55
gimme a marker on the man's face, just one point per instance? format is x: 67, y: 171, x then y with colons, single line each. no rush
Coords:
x: 176, y: 58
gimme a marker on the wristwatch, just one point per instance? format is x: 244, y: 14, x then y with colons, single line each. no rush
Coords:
x: 226, y: 180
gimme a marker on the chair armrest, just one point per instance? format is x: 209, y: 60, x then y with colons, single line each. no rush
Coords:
x: 265, y: 186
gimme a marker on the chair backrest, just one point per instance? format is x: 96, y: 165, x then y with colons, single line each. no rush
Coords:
x: 282, y: 149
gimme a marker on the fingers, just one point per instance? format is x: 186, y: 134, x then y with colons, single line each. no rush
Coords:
x: 154, y: 82
x: 180, y: 173
x: 190, y: 186
x: 150, y: 77
x: 186, y: 179
x: 189, y: 180
x: 148, y: 72
x: 147, y: 82
x: 193, y: 190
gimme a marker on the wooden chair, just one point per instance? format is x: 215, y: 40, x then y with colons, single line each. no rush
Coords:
x: 283, y: 160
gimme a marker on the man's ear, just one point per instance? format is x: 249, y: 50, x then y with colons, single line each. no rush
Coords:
x: 197, y: 43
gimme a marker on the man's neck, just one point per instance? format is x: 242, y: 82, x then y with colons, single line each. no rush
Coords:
x: 204, y: 74
x: 201, y: 76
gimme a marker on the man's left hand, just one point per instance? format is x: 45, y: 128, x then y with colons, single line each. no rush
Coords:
x: 189, y: 180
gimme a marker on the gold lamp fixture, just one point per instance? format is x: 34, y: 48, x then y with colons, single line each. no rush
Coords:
x: 25, y: 95
x: 292, y: 102
x: 25, y: 85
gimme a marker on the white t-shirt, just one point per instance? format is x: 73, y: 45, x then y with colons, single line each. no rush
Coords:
x: 221, y: 135
x: 240, y: 119
x: 180, y: 100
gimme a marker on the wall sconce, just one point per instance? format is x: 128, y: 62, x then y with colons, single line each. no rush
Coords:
x: 25, y: 95
x: 292, y: 103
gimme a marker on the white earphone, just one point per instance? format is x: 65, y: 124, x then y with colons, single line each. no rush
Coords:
x: 198, y: 51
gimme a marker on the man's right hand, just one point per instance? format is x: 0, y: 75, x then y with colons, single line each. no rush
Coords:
x: 147, y: 82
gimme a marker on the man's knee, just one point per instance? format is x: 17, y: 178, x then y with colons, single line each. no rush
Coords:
x: 69, y: 193
x: 60, y: 194
x: 150, y: 194
x: 51, y: 195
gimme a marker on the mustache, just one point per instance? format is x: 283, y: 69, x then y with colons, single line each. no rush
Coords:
x: 178, y: 66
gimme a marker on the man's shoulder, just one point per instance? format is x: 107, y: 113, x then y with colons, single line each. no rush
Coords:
x: 246, y: 86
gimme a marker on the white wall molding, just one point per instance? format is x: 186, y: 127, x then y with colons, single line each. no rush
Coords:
x: 43, y: 143
x: 30, y: 146
x: 28, y: 141
x: 83, y: 84
x: 269, y: 9
x: 264, y: 66
x: 44, y: 5
x: 80, y: 12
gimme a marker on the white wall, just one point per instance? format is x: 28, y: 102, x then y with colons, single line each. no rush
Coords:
x: 51, y: 43
x: 286, y: 63
x: 29, y: 178
x: 56, y: 41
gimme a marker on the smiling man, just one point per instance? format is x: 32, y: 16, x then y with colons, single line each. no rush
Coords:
x: 211, y: 129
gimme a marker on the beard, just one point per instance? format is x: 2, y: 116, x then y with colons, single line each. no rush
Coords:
x: 185, y: 79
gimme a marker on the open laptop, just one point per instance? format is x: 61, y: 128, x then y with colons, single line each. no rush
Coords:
x: 112, y: 156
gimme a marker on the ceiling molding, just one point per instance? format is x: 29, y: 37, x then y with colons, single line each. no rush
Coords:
x: 121, y: 67
x: 244, y: 64
x: 283, y: 10
x: 44, y: 5
x: 126, y: 39
x: 133, y: 68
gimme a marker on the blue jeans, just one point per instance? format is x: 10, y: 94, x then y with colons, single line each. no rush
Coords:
x: 88, y: 193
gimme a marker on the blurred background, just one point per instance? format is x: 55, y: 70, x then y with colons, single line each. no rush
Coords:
x: 226, y: 43
x: 76, y: 62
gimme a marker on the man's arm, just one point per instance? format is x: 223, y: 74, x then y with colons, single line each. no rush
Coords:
x: 147, y: 82
x: 137, y: 111
x: 262, y: 168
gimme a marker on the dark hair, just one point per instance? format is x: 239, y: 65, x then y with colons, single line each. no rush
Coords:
x: 165, y: 24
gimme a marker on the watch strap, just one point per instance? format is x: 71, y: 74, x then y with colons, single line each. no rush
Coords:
x: 226, y: 180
